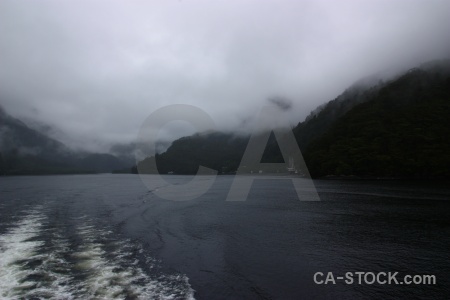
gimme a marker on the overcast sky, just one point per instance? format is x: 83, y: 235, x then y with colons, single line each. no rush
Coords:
x: 96, y: 69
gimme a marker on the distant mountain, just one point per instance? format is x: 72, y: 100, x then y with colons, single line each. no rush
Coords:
x: 223, y: 151
x: 24, y: 150
x: 218, y: 151
x: 394, y: 128
x: 403, y: 131
x: 376, y: 128
x: 321, y: 119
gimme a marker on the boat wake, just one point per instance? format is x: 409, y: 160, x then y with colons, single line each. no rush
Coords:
x: 41, y: 261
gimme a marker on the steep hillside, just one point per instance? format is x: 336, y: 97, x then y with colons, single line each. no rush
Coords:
x: 321, y: 119
x: 402, y: 132
x: 24, y: 150
x: 218, y: 151
x: 396, y: 128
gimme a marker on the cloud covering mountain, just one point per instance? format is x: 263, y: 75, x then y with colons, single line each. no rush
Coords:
x: 96, y: 69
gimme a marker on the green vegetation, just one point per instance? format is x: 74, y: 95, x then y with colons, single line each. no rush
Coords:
x: 402, y: 132
x: 389, y: 129
x: 395, y: 129
x: 218, y: 151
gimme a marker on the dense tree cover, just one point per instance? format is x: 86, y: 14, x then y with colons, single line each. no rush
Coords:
x: 398, y: 128
x: 323, y: 117
x: 402, y: 132
x: 218, y: 151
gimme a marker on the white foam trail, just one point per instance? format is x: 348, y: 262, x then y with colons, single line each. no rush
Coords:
x: 122, y: 278
x: 19, y: 246
x: 102, y: 268
x: 55, y: 271
x: 15, y: 246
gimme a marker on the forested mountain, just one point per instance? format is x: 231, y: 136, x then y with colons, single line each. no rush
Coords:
x: 321, y: 119
x: 24, y: 150
x: 395, y: 128
x: 218, y: 151
x: 402, y: 132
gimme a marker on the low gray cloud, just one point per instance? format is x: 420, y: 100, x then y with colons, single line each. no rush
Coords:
x: 281, y: 102
x: 96, y: 69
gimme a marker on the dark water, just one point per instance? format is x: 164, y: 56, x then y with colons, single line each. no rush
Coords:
x: 108, y: 236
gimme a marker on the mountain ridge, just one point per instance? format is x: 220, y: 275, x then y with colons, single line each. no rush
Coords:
x: 26, y: 151
x: 362, y: 132
x: 402, y: 132
x: 318, y: 133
